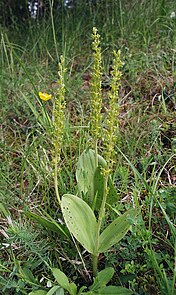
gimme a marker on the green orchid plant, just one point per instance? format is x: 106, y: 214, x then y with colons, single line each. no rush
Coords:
x: 84, y: 214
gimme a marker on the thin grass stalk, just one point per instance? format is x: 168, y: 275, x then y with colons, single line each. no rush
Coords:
x: 51, y: 2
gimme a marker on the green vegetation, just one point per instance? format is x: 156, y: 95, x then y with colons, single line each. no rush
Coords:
x: 51, y: 175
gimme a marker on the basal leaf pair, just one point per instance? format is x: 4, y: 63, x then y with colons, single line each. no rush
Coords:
x: 81, y: 222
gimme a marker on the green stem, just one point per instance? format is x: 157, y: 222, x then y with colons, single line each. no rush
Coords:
x: 95, y: 264
x: 96, y: 153
x: 100, y: 218
x: 96, y: 165
x: 56, y: 180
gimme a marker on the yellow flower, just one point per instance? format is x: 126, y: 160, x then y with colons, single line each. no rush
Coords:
x: 45, y: 96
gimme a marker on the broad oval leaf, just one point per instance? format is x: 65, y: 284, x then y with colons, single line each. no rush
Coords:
x: 61, y: 278
x: 73, y: 289
x: 56, y: 290
x: 98, y: 186
x: 102, y: 278
x: 112, y: 192
x: 85, y: 173
x: 80, y: 220
x: 113, y: 290
x: 99, y: 183
x: 116, y: 230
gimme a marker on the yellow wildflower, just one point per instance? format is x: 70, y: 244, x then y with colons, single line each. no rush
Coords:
x: 45, y: 96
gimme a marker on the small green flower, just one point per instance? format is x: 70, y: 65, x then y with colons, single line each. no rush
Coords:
x: 59, y: 112
x: 96, y: 97
x: 111, y: 124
